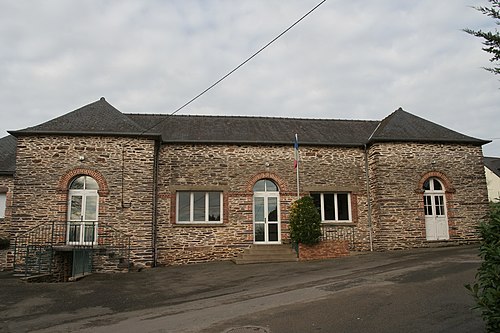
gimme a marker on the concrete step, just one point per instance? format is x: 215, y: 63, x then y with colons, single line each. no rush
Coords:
x: 266, y: 253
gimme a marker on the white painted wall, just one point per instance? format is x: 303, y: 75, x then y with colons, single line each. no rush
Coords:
x: 493, y: 184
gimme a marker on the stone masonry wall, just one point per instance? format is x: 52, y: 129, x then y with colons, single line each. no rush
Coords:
x: 397, y: 172
x: 6, y: 186
x: 123, y: 168
x: 234, y: 169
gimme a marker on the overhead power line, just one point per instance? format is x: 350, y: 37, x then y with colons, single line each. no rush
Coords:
x: 239, y: 66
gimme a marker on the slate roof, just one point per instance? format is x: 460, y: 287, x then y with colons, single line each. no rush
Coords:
x: 257, y: 130
x: 493, y: 163
x: 101, y: 118
x: 8, y: 146
x: 401, y: 126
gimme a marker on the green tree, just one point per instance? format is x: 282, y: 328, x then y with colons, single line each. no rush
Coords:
x: 491, y: 40
x: 305, y: 222
x: 486, y: 289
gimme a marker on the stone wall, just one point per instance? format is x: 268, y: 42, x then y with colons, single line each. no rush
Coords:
x: 397, y: 173
x: 123, y: 168
x: 234, y: 169
x: 6, y: 186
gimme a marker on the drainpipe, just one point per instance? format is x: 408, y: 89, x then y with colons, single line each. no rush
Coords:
x: 155, y: 202
x: 368, y: 197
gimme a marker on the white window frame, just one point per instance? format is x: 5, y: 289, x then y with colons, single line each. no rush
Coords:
x: 3, y: 204
x: 322, y: 210
x: 207, y: 208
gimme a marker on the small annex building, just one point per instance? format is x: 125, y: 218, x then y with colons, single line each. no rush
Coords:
x: 101, y: 190
x: 492, y: 170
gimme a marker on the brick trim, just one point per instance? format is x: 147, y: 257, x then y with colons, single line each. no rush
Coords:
x: 439, y: 175
x: 70, y: 175
x: 266, y: 175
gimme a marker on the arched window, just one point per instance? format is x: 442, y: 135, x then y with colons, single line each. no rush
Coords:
x: 436, y: 221
x: 83, y: 208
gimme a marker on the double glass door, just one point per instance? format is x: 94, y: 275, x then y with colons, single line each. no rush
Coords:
x: 82, y: 212
x: 267, y: 215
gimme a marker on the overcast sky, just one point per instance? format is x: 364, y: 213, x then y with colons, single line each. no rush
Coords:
x: 359, y: 59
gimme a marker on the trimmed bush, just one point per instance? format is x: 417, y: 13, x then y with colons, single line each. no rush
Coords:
x: 305, y: 222
x: 486, y: 289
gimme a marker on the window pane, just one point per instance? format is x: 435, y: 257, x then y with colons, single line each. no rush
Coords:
x: 427, y: 185
x: 272, y: 232
x: 91, y: 208
x: 78, y: 183
x: 89, y: 233
x: 343, y: 207
x: 428, y: 205
x: 3, y: 199
x: 259, y: 209
x: 439, y: 202
x: 259, y: 232
x: 272, y: 209
x: 76, y: 208
x: 199, y: 206
x: 74, y: 233
x: 317, y: 201
x: 260, y: 186
x: 214, y: 206
x: 437, y: 185
x: 91, y: 184
x: 271, y: 186
x: 329, y: 206
x: 183, y: 204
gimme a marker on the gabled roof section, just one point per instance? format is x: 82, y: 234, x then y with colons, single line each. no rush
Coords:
x: 493, y: 163
x: 99, y: 118
x: 401, y: 126
x: 256, y: 130
x: 8, y: 147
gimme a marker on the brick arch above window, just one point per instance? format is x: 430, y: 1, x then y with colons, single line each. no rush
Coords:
x: 439, y: 175
x: 267, y: 175
x: 65, y: 180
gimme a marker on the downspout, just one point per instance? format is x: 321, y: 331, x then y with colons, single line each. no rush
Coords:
x: 367, y: 180
x: 155, y: 202
x: 368, y: 198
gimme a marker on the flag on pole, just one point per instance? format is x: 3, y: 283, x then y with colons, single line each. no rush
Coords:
x: 296, y: 149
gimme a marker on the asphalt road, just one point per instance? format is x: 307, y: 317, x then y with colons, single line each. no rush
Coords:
x: 418, y: 290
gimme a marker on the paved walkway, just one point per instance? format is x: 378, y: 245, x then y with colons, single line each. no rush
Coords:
x: 105, y: 299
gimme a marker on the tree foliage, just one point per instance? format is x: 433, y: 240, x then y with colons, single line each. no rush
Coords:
x: 486, y: 289
x: 305, y: 222
x: 491, y: 39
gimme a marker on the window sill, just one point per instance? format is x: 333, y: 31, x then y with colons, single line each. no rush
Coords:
x: 342, y: 224
x: 188, y: 224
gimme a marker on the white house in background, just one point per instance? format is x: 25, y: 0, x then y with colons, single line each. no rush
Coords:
x: 492, y: 169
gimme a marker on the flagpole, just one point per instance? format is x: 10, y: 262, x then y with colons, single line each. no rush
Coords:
x: 297, y: 164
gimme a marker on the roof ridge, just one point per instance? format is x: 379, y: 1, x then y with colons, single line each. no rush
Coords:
x: 246, y: 117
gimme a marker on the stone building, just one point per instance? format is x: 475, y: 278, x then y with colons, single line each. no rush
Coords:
x: 97, y: 189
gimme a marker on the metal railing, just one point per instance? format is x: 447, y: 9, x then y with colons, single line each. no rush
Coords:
x: 34, y: 250
x: 339, y: 232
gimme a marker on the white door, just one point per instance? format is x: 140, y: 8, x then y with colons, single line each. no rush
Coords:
x: 82, y: 212
x: 267, y: 229
x: 436, y: 221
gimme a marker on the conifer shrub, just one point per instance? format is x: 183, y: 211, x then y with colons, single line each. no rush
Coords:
x: 305, y: 222
x: 486, y: 289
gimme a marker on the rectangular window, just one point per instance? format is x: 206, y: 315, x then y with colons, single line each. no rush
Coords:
x: 199, y: 207
x: 3, y: 201
x: 333, y: 207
